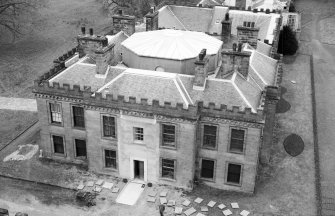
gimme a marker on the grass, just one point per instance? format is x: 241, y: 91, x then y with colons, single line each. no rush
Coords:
x: 53, y: 34
x: 13, y: 123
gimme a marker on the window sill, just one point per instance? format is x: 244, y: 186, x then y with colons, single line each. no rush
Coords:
x: 56, y: 124
x: 137, y: 142
x: 209, y: 148
x: 233, y: 184
x: 207, y: 179
x: 81, y: 158
x: 109, y: 138
x: 59, y: 155
x: 169, y: 147
x: 236, y: 152
x: 79, y: 128
x: 167, y: 179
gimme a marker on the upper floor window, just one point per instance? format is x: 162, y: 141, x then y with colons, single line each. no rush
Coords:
x: 168, y: 168
x: 108, y: 124
x: 78, y: 117
x: 249, y: 24
x: 168, y: 135
x: 55, y: 112
x: 209, y: 138
x: 138, y: 134
x: 237, y: 140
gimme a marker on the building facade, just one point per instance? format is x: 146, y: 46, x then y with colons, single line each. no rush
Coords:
x: 168, y: 127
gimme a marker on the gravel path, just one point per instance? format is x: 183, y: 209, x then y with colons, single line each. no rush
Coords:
x: 18, y: 104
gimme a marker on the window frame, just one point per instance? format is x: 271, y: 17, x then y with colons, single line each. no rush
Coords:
x: 73, y: 116
x: 226, y: 175
x: 203, y: 136
x: 137, y: 134
x: 61, y: 124
x: 75, y: 148
x: 162, y: 134
x: 53, y: 145
x: 244, y: 140
x: 214, y: 169
x: 102, y: 126
x: 104, y: 159
x: 174, y: 169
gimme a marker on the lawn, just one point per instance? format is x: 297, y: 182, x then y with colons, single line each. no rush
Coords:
x: 13, y: 123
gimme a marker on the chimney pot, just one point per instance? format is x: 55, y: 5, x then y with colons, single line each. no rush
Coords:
x: 91, y: 31
x: 234, y: 47
x: 239, y: 47
x: 83, y: 30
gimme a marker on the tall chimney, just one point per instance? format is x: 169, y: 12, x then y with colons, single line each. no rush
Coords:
x: 201, y: 70
x: 247, y: 35
x: 83, y: 30
x: 103, y: 57
x: 226, y: 28
x: 124, y: 23
x: 151, y: 20
x: 235, y: 61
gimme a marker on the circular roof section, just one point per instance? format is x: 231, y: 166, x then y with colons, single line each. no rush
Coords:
x: 171, y: 44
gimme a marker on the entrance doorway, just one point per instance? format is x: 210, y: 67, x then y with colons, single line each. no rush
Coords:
x: 139, y: 169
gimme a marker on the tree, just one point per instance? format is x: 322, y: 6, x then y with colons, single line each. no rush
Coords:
x: 288, y: 44
x: 139, y: 8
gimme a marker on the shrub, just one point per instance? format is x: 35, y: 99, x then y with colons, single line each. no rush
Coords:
x: 288, y: 44
x: 149, y: 184
x: 125, y: 180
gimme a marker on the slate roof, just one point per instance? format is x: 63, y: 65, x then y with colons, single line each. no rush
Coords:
x: 209, y: 19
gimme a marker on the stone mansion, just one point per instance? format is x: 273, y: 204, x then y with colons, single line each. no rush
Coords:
x: 188, y: 100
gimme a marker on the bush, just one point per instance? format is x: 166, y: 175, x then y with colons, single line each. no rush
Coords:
x: 149, y: 184
x: 125, y: 180
x: 288, y: 44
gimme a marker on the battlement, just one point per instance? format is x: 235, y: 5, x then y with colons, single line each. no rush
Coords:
x: 66, y: 56
x: 91, y: 98
x: 255, y: 10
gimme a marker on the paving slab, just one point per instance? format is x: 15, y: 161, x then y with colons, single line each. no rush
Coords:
x: 171, y: 203
x: 186, y: 202
x: 152, y: 193
x: 90, y: 184
x: 97, y: 189
x: 211, y: 204
x: 115, y: 190
x: 163, y: 194
x: 163, y: 200
x: 151, y: 199
x: 108, y: 185
x: 234, y: 205
x: 204, y: 208
x: 227, y: 212
x: 190, y: 211
x: 222, y: 206
x: 99, y: 182
x: 198, y: 200
x: 244, y: 213
x: 178, y: 210
x: 200, y: 214
x: 80, y: 187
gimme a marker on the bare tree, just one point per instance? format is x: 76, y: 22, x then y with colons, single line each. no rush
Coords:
x: 133, y: 7
x: 14, y: 15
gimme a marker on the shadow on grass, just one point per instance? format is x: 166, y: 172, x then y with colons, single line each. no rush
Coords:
x: 283, y: 105
x: 294, y: 145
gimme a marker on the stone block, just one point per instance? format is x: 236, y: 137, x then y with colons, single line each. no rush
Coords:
x: 189, y: 211
x: 234, y: 205
x: 227, y: 212
x: 152, y: 193
x: 204, y: 208
x: 80, y: 187
x: 244, y: 213
x: 108, y: 185
x: 163, y: 200
x: 97, y: 189
x: 171, y: 203
x: 198, y: 200
x: 99, y: 182
x: 222, y: 206
x: 151, y: 199
x: 211, y: 203
x: 163, y: 194
x: 200, y: 214
x: 115, y: 190
x: 90, y: 184
x: 178, y: 210
x: 186, y: 203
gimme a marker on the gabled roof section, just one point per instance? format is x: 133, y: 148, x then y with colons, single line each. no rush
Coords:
x: 218, y: 15
x: 263, y: 48
x: 117, y: 38
x: 263, y: 69
x: 152, y: 85
x: 168, y: 19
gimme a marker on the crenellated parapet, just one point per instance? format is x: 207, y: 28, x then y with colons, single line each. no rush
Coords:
x: 66, y: 56
x: 192, y: 112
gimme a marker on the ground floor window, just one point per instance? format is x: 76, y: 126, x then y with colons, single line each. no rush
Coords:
x: 58, y: 143
x: 234, y: 173
x: 80, y: 148
x: 168, y: 168
x: 207, y: 169
x: 110, y: 159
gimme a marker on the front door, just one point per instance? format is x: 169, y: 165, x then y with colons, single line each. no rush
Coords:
x: 139, y: 169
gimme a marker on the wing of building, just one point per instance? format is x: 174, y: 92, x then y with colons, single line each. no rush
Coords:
x: 194, y: 101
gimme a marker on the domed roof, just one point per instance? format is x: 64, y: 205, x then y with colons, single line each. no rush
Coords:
x: 171, y: 44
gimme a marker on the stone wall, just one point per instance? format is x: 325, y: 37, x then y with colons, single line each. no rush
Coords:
x: 124, y: 23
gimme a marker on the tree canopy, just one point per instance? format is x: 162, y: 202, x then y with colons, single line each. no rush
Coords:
x: 14, y: 14
x: 288, y: 43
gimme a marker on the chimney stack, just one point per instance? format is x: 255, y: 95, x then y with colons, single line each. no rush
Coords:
x: 83, y: 30
x: 235, y: 60
x: 103, y: 57
x: 247, y: 35
x: 226, y: 28
x: 151, y: 20
x: 124, y: 23
x: 201, y: 70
